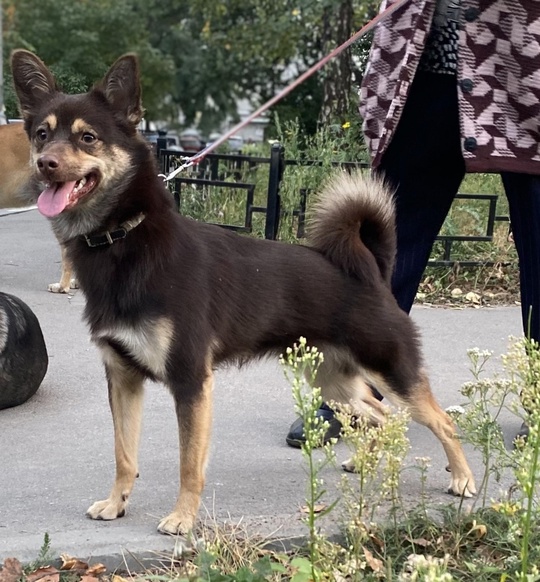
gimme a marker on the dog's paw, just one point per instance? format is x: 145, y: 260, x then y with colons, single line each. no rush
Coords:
x: 348, y: 466
x: 462, y: 486
x: 57, y: 288
x: 175, y: 524
x: 73, y: 284
x: 107, y: 509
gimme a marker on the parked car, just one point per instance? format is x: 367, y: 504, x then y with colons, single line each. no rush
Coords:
x: 191, y: 141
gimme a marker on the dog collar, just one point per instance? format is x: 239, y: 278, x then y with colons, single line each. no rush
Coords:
x: 110, y: 236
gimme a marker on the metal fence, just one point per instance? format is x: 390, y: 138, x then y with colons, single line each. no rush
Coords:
x: 238, y: 173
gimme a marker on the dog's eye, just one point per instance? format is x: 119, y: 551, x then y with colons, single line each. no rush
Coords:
x: 88, y: 138
x: 41, y: 134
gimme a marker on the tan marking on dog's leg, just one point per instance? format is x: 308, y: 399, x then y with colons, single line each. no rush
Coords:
x: 425, y: 410
x: 67, y: 282
x: 194, y: 422
x: 126, y: 400
x: 354, y: 390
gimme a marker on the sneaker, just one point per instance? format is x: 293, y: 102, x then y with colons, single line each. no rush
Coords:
x: 296, y: 437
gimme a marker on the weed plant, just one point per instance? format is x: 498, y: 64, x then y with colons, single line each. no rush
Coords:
x: 300, y: 365
x: 385, y: 539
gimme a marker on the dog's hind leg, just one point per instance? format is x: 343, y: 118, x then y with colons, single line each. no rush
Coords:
x: 343, y: 387
x: 343, y: 382
x: 125, y: 399
x: 340, y: 383
x: 425, y: 410
x: 194, y: 423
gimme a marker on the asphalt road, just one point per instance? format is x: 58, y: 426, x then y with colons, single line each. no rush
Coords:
x: 56, y: 450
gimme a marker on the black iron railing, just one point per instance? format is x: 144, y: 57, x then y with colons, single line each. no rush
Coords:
x: 241, y: 176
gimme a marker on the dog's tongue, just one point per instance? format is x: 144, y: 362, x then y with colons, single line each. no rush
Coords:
x: 54, y: 198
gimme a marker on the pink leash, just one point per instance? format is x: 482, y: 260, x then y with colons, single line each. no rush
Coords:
x: 364, y: 30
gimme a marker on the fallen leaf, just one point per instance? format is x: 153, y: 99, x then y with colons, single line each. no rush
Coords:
x: 87, y: 578
x: 12, y: 570
x: 71, y: 563
x: 423, y: 543
x: 377, y: 541
x: 478, y: 530
x: 374, y: 563
x: 44, y: 574
x: 472, y: 297
x: 96, y: 570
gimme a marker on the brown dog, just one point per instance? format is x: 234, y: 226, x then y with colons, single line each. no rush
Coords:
x: 18, y: 186
x: 170, y: 299
x: 15, y: 169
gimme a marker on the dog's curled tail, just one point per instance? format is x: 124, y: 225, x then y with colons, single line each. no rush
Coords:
x: 353, y: 225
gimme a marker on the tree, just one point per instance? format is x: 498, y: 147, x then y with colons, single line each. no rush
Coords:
x: 199, y: 57
x: 337, y: 75
x: 80, y: 39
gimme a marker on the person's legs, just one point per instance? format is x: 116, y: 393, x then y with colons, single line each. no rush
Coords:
x: 523, y: 193
x: 425, y: 166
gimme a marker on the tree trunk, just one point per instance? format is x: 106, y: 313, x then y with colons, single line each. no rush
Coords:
x: 337, y: 73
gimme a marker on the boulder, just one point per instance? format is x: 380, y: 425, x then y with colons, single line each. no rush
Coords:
x: 23, y: 354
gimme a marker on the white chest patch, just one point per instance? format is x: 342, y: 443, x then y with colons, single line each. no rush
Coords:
x: 148, y: 343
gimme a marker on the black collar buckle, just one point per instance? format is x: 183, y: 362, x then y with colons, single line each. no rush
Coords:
x: 110, y: 236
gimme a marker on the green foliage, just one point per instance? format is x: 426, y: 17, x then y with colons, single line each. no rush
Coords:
x: 199, y: 57
x: 258, y: 572
x: 80, y: 40
x: 330, y: 146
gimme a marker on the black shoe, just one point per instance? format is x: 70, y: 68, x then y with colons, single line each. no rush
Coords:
x: 296, y: 437
x: 523, y: 432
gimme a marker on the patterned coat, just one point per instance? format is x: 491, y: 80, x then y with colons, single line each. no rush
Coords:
x: 498, y: 81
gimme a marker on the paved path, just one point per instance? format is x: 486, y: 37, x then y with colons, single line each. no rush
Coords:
x: 56, y: 450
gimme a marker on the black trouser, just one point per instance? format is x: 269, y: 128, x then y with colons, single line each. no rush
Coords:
x: 425, y: 164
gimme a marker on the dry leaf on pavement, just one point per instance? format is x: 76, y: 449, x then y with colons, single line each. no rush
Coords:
x: 12, y: 570
x: 44, y: 574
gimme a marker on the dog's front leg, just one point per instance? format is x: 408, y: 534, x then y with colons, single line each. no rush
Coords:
x: 125, y: 399
x: 194, y: 423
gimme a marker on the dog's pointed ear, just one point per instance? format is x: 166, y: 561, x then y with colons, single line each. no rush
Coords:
x: 122, y: 88
x: 33, y: 81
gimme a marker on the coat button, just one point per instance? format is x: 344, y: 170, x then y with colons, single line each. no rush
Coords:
x: 471, y: 14
x: 470, y: 144
x: 466, y: 85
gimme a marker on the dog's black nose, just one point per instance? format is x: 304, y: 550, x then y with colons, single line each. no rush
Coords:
x: 47, y: 164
